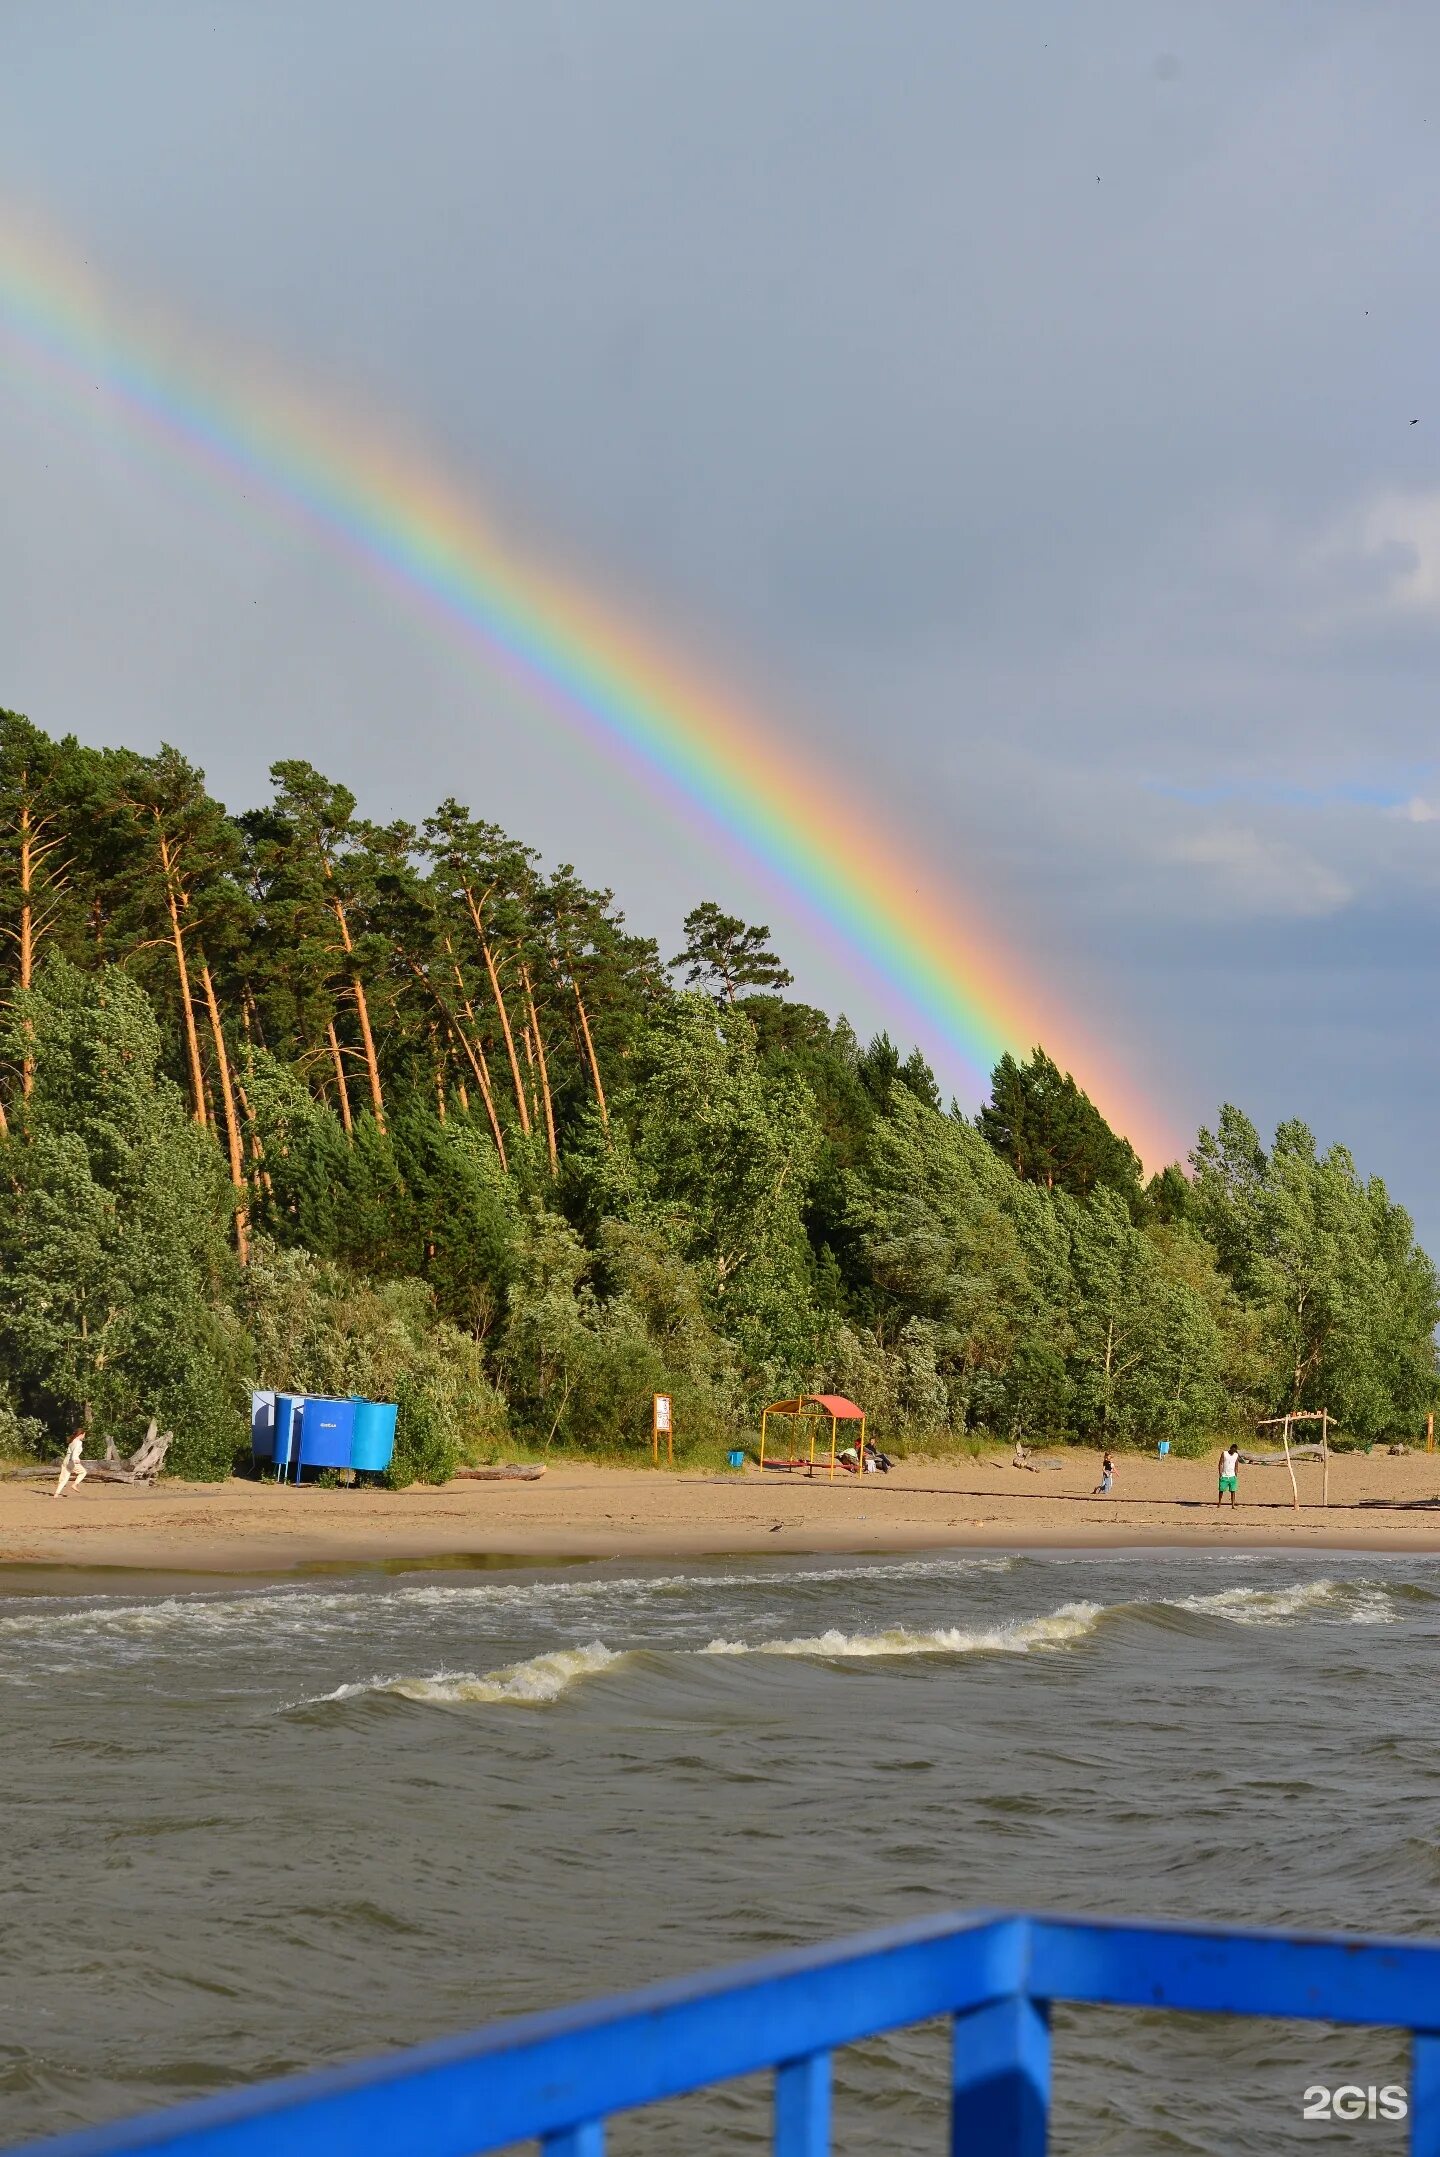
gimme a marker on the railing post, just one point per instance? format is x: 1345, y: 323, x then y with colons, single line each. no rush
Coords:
x: 802, y: 2107
x: 1425, y: 2094
x: 1001, y: 2079
x: 587, y: 2140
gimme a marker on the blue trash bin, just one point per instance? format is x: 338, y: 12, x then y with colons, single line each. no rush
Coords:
x: 327, y: 1433
x: 262, y: 1427
x: 288, y: 1417
x: 373, y: 1448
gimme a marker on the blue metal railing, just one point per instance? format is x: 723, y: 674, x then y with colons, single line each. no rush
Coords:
x: 556, y: 2077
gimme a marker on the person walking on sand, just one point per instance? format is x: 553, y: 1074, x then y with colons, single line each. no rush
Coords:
x: 1107, y: 1477
x: 1229, y: 1472
x: 72, y: 1468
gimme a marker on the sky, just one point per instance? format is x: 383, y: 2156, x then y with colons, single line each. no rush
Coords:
x: 1029, y: 411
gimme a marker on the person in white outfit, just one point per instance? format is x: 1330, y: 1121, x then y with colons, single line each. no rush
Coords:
x: 72, y: 1468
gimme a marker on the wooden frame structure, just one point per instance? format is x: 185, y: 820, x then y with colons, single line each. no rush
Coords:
x: 813, y: 1410
x: 1291, y: 1453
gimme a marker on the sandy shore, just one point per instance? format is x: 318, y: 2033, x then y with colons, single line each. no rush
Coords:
x: 1376, y: 1503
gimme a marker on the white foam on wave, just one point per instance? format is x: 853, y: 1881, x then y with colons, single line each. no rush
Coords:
x: 198, y: 1613
x: 637, y: 1586
x: 1058, y: 1628
x: 341, y: 1608
x: 544, y: 1678
x: 534, y: 1683
x: 1359, y: 1602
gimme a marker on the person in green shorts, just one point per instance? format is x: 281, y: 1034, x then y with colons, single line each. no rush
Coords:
x: 1229, y: 1473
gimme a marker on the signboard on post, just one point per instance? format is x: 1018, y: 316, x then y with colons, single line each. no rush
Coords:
x: 661, y: 1421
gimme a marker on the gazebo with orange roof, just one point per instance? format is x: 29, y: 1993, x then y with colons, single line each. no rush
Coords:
x: 813, y: 1410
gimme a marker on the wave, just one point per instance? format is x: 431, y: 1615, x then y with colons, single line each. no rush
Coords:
x: 534, y: 1683
x: 541, y: 1679
x: 1357, y: 1602
x: 341, y: 1607
x: 1058, y: 1628
x: 1361, y: 1602
x: 577, y: 1613
x: 768, y: 1574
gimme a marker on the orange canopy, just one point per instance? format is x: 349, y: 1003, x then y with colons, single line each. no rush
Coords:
x: 810, y: 1410
x: 830, y: 1404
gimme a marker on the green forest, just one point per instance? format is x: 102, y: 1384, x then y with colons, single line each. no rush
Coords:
x: 293, y: 1098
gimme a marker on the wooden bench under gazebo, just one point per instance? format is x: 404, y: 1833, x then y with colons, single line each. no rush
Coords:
x: 808, y: 1416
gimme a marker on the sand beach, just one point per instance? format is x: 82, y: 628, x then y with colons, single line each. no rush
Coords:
x: 238, y: 1527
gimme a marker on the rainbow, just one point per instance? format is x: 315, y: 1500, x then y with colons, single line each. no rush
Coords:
x: 703, y: 756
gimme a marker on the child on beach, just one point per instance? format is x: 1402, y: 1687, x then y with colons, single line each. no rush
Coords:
x: 1229, y: 1473
x: 1107, y: 1477
x: 72, y: 1468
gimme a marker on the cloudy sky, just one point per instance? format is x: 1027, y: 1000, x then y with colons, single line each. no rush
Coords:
x: 1014, y: 403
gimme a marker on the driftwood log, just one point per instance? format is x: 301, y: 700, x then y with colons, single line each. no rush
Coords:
x: 143, y: 1466
x: 513, y: 1471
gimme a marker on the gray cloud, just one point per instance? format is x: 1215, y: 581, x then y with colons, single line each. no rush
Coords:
x: 1015, y: 404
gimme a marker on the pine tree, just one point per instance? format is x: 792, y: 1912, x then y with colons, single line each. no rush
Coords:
x: 37, y: 821
x: 723, y: 956
x: 315, y: 880
x: 1052, y: 1133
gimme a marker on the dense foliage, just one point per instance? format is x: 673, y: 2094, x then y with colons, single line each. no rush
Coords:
x: 299, y: 1099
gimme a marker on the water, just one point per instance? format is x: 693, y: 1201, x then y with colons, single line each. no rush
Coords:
x: 255, y: 1829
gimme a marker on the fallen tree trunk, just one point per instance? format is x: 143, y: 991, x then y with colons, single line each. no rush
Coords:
x: 503, y: 1472
x: 143, y: 1466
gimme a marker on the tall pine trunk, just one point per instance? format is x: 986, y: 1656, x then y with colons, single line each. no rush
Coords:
x: 232, y: 1121
x: 437, y: 1059
x: 357, y: 990
x: 475, y: 1057
x: 257, y: 1144
x: 35, y: 919
x: 250, y: 1016
x: 476, y: 916
x: 187, y: 1003
x: 529, y: 1048
x: 27, y: 932
x: 474, y: 1054
x: 343, y: 1090
x: 590, y: 1057
x: 480, y: 1063
x: 544, y: 1072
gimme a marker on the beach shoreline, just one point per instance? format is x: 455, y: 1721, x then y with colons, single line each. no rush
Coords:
x: 579, y: 1512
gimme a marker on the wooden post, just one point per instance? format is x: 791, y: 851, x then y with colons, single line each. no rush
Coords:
x: 764, y: 1419
x: 1430, y: 1432
x: 1285, y: 1440
x: 662, y: 1419
x: 1325, y: 1454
